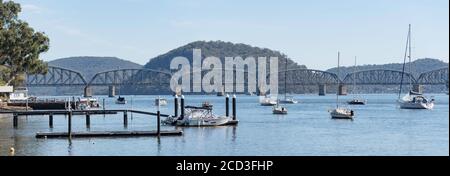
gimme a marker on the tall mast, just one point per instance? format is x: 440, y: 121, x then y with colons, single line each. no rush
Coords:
x: 409, y: 56
x: 338, y: 70
x: 404, y: 62
x: 354, y: 78
x: 285, y: 78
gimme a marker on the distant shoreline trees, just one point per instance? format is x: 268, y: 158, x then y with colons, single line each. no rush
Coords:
x: 20, y: 46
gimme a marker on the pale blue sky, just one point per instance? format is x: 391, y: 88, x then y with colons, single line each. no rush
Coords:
x: 310, y: 32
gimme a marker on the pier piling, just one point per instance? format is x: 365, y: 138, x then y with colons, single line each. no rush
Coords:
x: 176, y: 106
x: 227, y: 106
x: 234, y: 107
x: 50, y: 120
x: 182, y: 106
x: 103, y: 105
x: 88, y: 120
x: 158, y: 118
x: 15, y: 120
x: 69, y: 125
x: 125, y: 118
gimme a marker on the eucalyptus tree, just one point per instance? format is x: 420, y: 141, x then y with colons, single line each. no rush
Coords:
x: 20, y: 45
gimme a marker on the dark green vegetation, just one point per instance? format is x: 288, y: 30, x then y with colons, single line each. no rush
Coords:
x: 20, y: 46
x: 219, y: 49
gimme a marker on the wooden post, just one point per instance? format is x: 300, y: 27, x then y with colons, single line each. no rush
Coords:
x: 158, y: 117
x: 69, y: 126
x: 182, y: 107
x: 176, y: 106
x: 125, y: 118
x: 88, y: 119
x: 15, y: 120
x: 227, y: 105
x: 50, y: 120
x: 234, y: 107
x: 104, y: 105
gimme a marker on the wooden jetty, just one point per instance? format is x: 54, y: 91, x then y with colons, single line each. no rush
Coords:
x: 89, y: 134
x: 88, y: 113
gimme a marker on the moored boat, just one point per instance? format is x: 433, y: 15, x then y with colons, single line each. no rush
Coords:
x: 198, y: 116
x: 121, y: 100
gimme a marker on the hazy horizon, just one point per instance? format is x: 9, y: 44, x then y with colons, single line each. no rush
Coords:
x: 310, y: 33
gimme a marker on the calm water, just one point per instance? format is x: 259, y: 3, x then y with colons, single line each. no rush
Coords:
x: 379, y: 129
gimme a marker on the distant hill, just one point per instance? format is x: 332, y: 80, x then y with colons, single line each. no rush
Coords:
x: 218, y: 49
x: 418, y: 66
x: 88, y: 66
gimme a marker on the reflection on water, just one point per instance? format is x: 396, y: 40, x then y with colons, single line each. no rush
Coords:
x: 380, y: 128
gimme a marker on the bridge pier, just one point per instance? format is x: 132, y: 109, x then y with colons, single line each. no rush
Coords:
x: 322, y: 90
x: 111, y: 91
x: 342, y: 89
x: 87, y: 91
x: 418, y: 88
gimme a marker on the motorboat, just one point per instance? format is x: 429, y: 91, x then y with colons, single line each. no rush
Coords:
x: 198, y: 116
x: 20, y: 94
x: 121, y: 100
x: 87, y: 103
x: 160, y: 102
x: 356, y: 101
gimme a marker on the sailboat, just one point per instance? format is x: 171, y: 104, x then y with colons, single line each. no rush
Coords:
x: 340, y: 112
x: 355, y: 100
x: 277, y: 109
x: 290, y: 99
x: 412, y: 100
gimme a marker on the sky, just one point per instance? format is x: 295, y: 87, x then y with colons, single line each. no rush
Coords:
x: 309, y: 32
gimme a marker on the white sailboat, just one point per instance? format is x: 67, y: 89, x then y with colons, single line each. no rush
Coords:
x: 356, y: 100
x: 267, y: 101
x: 287, y: 99
x: 412, y: 100
x: 340, y: 112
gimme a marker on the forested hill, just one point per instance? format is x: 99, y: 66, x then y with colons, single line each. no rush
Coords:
x: 218, y: 49
x: 88, y: 66
x: 418, y: 66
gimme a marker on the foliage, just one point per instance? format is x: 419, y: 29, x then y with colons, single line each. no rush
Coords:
x: 20, y: 45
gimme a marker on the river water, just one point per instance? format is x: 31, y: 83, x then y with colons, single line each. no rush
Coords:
x: 380, y: 128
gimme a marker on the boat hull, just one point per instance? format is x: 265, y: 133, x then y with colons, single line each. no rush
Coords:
x: 411, y: 105
x: 341, y: 114
x: 288, y: 102
x: 204, y: 122
x: 356, y: 103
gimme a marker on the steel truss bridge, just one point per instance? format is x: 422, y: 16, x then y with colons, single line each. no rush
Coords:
x: 57, y: 76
